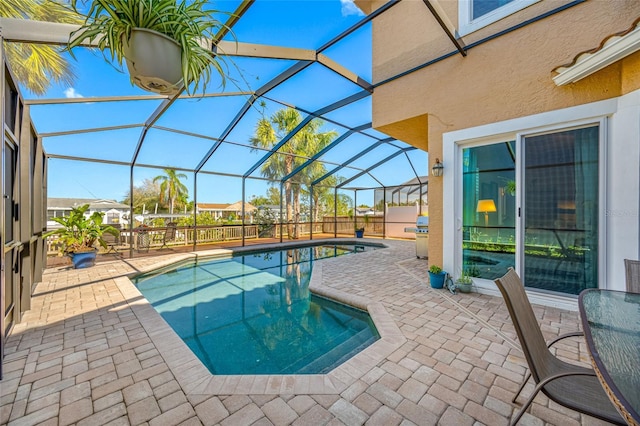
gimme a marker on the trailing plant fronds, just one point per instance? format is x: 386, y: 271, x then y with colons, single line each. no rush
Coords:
x: 109, y: 24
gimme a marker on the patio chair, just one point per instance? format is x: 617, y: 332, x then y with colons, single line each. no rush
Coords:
x: 569, y: 385
x: 169, y: 234
x: 113, y: 241
x: 632, y: 275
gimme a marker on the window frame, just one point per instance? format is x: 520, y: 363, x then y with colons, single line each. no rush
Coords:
x: 468, y: 25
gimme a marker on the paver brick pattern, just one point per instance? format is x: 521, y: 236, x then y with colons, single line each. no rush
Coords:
x: 80, y: 356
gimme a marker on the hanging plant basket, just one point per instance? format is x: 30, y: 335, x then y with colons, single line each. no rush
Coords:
x: 166, y: 44
x: 154, y: 61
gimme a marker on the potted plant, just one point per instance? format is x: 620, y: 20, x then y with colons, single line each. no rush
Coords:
x: 436, y: 276
x: 79, y: 234
x: 464, y: 283
x: 359, y: 230
x: 166, y: 43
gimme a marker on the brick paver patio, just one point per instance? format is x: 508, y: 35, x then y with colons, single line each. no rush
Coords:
x: 91, y: 351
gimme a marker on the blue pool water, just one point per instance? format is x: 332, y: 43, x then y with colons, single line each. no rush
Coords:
x: 254, y: 313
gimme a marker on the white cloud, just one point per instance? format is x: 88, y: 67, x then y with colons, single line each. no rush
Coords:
x: 349, y: 8
x: 71, y: 93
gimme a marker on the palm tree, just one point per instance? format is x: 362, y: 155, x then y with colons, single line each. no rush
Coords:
x: 171, y: 188
x: 306, y: 142
x: 323, y: 195
x: 36, y: 66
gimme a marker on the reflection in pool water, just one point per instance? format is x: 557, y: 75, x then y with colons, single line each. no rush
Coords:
x: 254, y: 314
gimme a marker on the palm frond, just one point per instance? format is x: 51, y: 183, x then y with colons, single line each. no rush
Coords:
x: 37, y: 66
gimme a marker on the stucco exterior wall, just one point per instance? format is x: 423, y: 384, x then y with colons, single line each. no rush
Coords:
x: 507, y: 77
x: 504, y: 78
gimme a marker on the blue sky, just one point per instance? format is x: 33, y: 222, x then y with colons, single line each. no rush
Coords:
x: 301, y: 24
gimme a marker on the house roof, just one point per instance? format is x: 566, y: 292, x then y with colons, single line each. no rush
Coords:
x: 94, y: 204
x: 213, y: 206
x: 416, y: 181
x: 612, y: 48
x: 237, y: 206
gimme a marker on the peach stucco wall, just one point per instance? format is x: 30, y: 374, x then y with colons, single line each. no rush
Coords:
x: 504, y: 78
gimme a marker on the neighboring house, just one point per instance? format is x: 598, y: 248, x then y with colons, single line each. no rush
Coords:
x: 408, y: 193
x: 217, y: 210
x: 226, y: 210
x: 274, y: 209
x: 533, y: 108
x: 114, y: 212
x: 365, y: 211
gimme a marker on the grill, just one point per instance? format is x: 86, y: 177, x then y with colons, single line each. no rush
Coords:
x: 422, y: 236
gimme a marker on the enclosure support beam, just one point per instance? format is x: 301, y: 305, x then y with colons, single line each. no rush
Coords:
x: 384, y: 212
x: 446, y: 25
x: 352, y: 159
x: 346, y: 101
x: 378, y: 164
x: 325, y: 150
x: 195, y: 213
x: 244, y: 181
x: 279, y: 79
x: 335, y: 212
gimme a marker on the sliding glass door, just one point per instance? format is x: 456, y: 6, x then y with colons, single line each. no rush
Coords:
x: 552, y: 232
x: 489, y: 220
x: 561, y: 210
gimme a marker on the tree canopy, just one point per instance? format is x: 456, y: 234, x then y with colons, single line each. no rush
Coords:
x: 304, y: 143
x: 172, y: 190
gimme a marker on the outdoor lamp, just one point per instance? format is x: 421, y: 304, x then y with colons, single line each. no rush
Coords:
x: 486, y: 206
x: 437, y: 168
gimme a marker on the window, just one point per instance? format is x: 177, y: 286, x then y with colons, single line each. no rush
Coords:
x: 55, y: 213
x: 476, y: 14
x: 113, y: 218
x: 482, y: 7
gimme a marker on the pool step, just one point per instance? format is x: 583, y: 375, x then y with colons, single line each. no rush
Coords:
x: 322, y: 361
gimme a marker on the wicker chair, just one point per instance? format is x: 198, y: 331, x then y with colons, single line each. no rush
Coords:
x: 569, y: 385
x: 632, y: 274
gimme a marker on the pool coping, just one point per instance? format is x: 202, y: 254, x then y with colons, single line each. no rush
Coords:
x: 194, y: 377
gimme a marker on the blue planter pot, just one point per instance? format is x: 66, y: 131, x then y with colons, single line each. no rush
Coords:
x: 437, y: 280
x: 84, y: 259
x: 359, y: 233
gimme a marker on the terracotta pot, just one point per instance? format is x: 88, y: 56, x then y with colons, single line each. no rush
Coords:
x: 154, y: 61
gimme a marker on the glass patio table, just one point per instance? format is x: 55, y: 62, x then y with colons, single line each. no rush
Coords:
x: 611, y: 324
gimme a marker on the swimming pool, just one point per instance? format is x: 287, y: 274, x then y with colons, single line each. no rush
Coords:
x: 254, y: 313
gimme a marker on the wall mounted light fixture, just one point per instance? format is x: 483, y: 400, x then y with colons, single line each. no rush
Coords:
x: 437, y: 168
